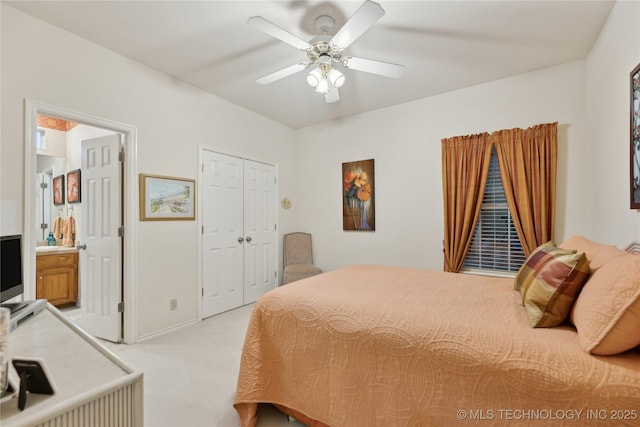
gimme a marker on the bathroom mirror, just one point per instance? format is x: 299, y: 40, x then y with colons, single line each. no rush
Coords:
x: 48, y: 167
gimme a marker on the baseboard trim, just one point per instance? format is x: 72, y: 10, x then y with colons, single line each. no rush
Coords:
x: 166, y: 330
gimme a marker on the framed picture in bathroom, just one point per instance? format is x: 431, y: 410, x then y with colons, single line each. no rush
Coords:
x: 58, y: 190
x: 73, y: 186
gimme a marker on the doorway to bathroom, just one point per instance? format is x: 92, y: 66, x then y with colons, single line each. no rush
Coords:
x: 86, y: 155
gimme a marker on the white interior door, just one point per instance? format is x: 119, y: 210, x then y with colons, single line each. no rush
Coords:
x: 101, y: 260
x: 222, y: 233
x: 239, y: 235
x: 259, y: 229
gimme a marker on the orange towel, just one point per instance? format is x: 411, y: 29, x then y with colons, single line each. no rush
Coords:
x: 69, y: 231
x: 58, y: 224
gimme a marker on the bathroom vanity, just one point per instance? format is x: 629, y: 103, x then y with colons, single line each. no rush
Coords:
x: 57, y: 274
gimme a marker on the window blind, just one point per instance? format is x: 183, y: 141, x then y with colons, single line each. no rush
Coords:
x: 495, y: 246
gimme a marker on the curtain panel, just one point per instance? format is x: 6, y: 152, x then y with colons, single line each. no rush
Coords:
x: 528, y: 161
x: 465, y: 166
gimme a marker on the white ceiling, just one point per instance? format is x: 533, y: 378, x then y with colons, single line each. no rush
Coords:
x: 445, y: 45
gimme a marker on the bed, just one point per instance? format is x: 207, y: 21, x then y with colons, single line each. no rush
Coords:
x: 372, y: 345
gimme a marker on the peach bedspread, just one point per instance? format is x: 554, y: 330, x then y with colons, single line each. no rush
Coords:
x: 385, y: 346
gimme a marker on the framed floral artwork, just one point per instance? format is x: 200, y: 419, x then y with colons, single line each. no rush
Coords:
x: 165, y: 198
x: 358, y: 196
x: 634, y: 170
x: 73, y: 186
x: 58, y: 190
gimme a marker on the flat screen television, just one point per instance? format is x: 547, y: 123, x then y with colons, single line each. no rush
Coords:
x: 11, y: 269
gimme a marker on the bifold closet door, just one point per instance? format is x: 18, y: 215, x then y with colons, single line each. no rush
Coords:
x: 239, y: 236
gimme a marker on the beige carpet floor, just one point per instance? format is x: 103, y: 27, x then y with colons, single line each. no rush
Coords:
x: 190, y: 374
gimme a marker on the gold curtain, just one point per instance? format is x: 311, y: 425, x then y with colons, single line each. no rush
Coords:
x: 528, y: 160
x: 465, y: 166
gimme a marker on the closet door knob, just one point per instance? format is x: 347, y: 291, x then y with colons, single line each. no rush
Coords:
x: 249, y: 239
x: 79, y: 246
x: 240, y: 239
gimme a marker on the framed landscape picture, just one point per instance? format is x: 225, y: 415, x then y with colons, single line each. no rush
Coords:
x: 164, y: 198
x: 635, y: 138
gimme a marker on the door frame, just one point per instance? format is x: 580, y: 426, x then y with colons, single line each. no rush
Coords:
x: 129, y: 202
x: 201, y: 149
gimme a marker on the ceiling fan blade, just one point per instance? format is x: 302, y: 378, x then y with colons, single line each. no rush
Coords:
x: 273, y: 30
x: 285, y: 72
x: 360, y: 21
x: 332, y: 96
x: 375, y: 67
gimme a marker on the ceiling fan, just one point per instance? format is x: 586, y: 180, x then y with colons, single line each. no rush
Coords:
x: 324, y: 51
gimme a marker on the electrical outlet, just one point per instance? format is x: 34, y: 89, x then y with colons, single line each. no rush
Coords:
x: 173, y: 304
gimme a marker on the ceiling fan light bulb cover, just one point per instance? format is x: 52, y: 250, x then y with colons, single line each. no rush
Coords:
x: 313, y: 82
x: 314, y: 77
x: 336, y: 77
x: 323, y: 86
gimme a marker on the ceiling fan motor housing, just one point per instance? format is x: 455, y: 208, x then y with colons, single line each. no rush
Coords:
x: 321, y: 47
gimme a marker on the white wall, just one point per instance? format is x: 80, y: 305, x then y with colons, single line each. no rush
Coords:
x: 405, y: 142
x: 615, y: 54
x: 171, y: 118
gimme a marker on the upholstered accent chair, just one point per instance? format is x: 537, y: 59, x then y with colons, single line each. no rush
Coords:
x: 298, y: 257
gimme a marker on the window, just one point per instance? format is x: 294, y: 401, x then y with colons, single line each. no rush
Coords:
x: 41, y: 141
x: 495, y: 246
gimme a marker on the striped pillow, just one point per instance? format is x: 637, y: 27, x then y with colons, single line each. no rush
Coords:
x: 550, y: 281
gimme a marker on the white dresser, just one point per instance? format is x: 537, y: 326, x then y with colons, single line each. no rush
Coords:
x: 93, y: 386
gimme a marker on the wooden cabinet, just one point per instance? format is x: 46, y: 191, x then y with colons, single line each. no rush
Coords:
x: 57, y: 278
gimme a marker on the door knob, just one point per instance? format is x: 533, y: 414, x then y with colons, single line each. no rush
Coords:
x: 79, y: 246
x: 248, y: 238
x: 240, y: 239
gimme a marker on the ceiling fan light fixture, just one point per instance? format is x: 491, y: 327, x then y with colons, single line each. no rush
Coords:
x: 336, y: 77
x: 314, y: 77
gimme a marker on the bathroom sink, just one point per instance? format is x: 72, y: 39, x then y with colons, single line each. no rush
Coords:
x: 48, y: 248
x: 54, y: 248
